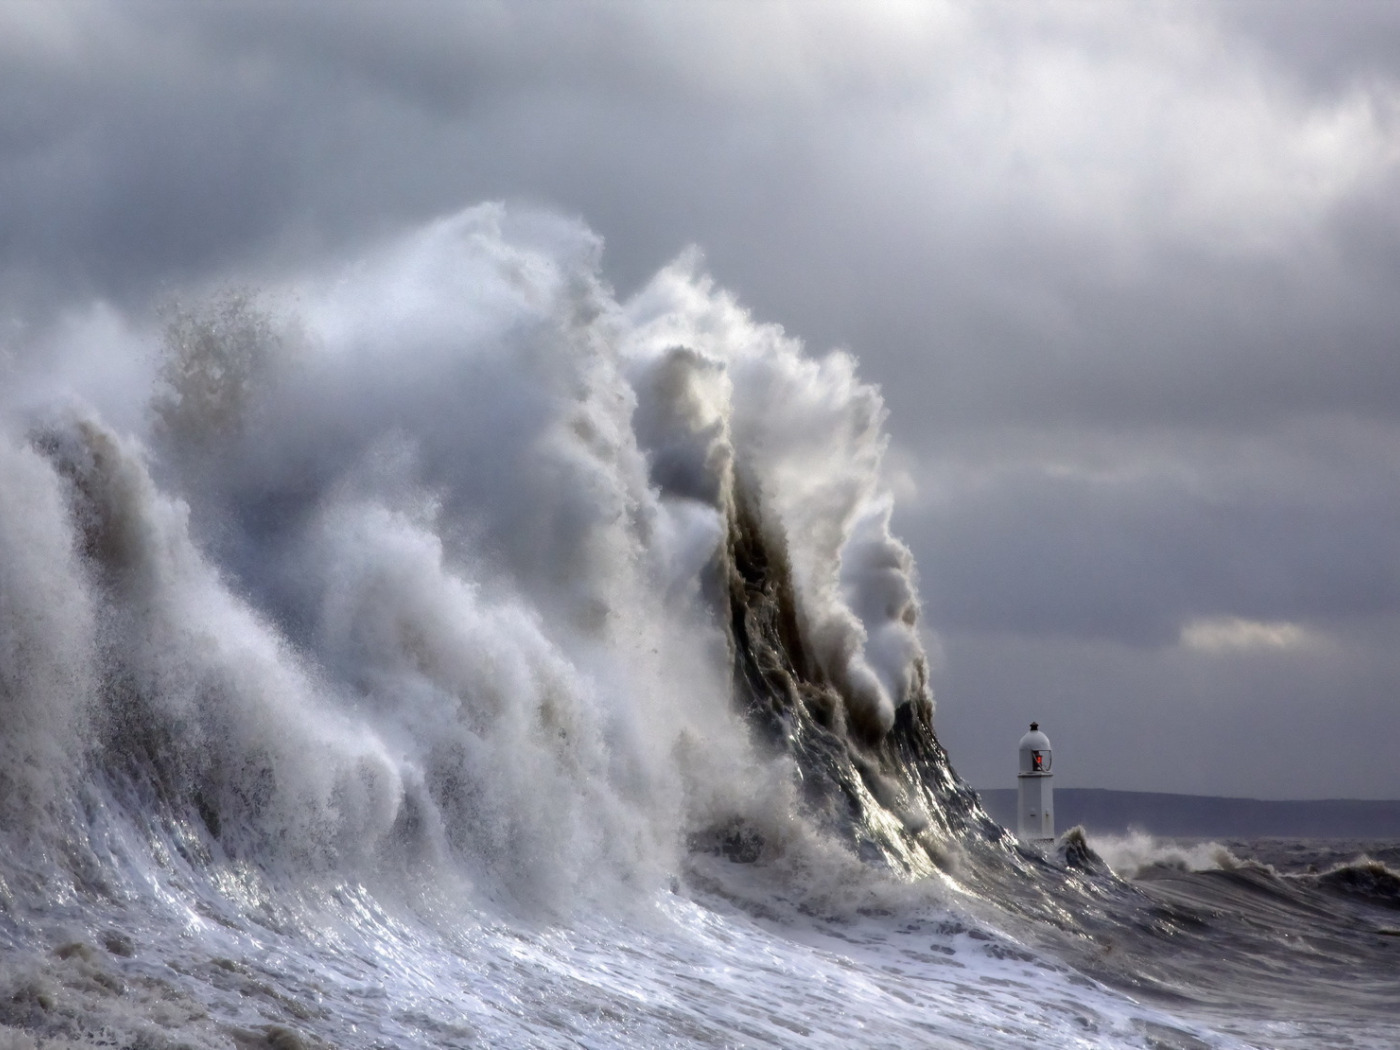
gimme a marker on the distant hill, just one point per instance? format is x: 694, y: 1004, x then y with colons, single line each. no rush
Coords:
x: 1200, y: 816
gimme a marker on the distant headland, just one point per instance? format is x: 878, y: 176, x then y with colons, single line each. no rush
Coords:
x: 1201, y: 816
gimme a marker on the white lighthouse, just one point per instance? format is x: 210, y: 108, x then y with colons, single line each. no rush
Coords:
x: 1035, y: 797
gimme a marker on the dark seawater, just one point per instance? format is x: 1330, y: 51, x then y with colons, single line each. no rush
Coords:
x: 442, y: 653
x: 1291, y: 940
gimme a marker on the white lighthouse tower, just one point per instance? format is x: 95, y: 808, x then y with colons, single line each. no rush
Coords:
x: 1035, y: 796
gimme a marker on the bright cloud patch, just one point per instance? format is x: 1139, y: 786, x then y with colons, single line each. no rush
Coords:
x: 1232, y: 634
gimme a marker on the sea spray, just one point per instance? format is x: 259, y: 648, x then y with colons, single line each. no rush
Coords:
x: 48, y: 643
x: 805, y: 436
x: 433, y: 650
x: 447, y: 563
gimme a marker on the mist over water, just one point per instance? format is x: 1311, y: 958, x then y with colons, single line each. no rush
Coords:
x: 435, y: 650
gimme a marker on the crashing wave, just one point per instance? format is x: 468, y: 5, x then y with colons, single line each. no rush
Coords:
x: 465, y: 560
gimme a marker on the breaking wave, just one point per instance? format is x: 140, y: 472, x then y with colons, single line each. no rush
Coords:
x: 436, y: 649
x: 463, y: 561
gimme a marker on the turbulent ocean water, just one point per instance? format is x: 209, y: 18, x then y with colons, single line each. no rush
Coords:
x: 435, y: 651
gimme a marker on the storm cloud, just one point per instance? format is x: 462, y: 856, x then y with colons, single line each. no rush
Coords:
x: 1126, y: 275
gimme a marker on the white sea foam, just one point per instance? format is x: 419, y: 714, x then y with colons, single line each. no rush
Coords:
x: 809, y: 435
x: 365, y: 677
x: 427, y: 559
x: 1137, y: 852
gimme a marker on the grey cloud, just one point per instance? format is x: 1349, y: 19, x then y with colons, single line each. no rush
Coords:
x: 1133, y: 560
x: 1264, y: 725
x: 1125, y: 273
x: 238, y: 130
x: 1328, y: 49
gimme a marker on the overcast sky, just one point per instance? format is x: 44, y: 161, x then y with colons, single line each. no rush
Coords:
x: 1127, y: 273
